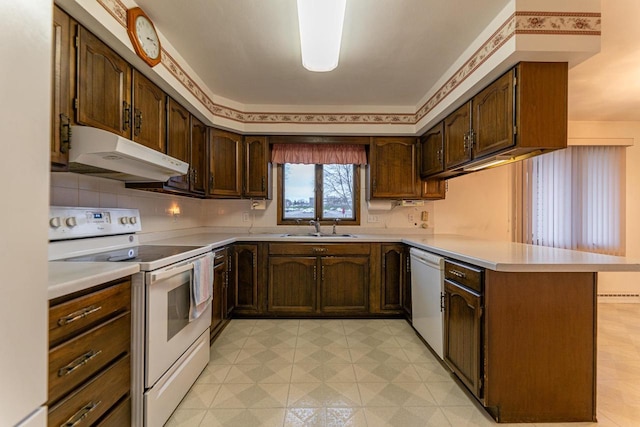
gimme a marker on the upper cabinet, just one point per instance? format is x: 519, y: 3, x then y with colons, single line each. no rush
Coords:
x: 225, y: 164
x: 198, y: 162
x: 178, y: 140
x: 104, y: 86
x: 257, y: 168
x: 521, y: 114
x: 393, y: 170
x: 149, y: 115
x: 432, y: 151
x: 62, y: 88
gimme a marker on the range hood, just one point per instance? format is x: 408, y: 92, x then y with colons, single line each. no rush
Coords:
x: 101, y: 153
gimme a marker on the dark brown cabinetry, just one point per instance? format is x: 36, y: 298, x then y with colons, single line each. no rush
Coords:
x: 393, y: 171
x: 89, y: 363
x: 406, y: 286
x: 198, y: 161
x: 149, y: 113
x: 432, y: 151
x: 245, y: 278
x: 318, y: 279
x: 62, y: 88
x: 104, y: 86
x: 392, y: 276
x: 220, y: 283
x: 521, y: 114
x: 225, y: 164
x: 178, y: 140
x: 257, y: 168
x: 229, y: 297
x: 462, y: 323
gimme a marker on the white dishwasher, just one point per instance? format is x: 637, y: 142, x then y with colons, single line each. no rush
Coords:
x: 427, y: 291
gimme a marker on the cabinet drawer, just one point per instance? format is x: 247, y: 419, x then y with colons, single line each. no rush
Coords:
x: 73, y: 362
x: 307, y: 249
x: 464, y: 274
x: 120, y: 415
x: 71, y: 317
x: 95, y: 398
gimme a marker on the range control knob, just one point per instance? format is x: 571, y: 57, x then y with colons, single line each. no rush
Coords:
x: 124, y: 220
x: 71, y: 221
x: 133, y: 220
x: 55, y: 222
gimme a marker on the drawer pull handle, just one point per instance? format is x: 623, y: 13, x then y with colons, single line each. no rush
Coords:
x: 80, y: 361
x: 81, y: 414
x: 77, y: 315
x: 319, y: 249
x: 458, y: 273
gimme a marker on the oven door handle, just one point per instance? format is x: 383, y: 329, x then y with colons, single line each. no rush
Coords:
x: 162, y: 275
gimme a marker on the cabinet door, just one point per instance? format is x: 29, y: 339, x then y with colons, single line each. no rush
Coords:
x: 149, y: 114
x: 230, y: 288
x: 178, y: 144
x: 61, y: 88
x: 434, y: 189
x: 292, y: 284
x: 392, y: 277
x: 198, y: 161
x: 245, y: 273
x: 217, y: 305
x: 344, y: 284
x: 257, y: 167
x: 493, y: 116
x: 462, y: 334
x: 104, y: 86
x: 457, y: 127
x: 432, y: 151
x: 225, y: 178
x: 393, y: 168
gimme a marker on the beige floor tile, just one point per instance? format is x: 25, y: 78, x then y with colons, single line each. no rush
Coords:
x: 307, y: 372
x: 468, y: 416
x: 386, y: 372
x: 372, y: 341
x: 259, y: 373
x: 433, y: 372
x: 405, y: 417
x: 378, y: 355
x: 200, y: 396
x: 316, y: 395
x: 213, y: 374
x: 242, y: 396
x: 255, y: 417
x: 313, y: 340
x: 305, y: 417
x: 366, y: 326
x: 395, y: 394
x: 253, y: 356
x: 448, y: 394
x: 345, y: 417
x: 222, y: 357
x: 339, y: 373
x: 419, y: 353
x: 186, y: 418
x: 282, y: 340
x: 321, y: 327
x: 408, y: 339
x: 322, y: 355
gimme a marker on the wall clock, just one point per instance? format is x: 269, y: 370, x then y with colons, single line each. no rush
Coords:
x: 143, y: 36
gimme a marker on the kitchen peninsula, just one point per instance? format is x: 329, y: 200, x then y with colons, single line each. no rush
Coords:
x: 532, y: 354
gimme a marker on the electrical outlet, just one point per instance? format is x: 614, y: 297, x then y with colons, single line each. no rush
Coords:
x: 373, y: 218
x: 245, y: 216
x: 424, y: 216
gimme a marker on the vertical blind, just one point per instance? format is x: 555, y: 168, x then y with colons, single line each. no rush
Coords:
x: 574, y: 199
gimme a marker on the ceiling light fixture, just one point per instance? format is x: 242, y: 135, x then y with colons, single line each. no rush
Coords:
x: 320, y: 23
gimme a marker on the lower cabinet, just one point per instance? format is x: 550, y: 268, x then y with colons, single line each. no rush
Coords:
x: 220, y: 283
x: 244, y: 279
x: 406, y: 285
x: 318, y: 279
x: 89, y: 361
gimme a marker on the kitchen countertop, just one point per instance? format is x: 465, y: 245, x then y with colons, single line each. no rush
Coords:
x: 68, y: 277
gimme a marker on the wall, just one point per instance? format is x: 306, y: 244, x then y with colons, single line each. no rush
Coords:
x: 25, y: 82
x: 477, y: 205
x: 70, y: 189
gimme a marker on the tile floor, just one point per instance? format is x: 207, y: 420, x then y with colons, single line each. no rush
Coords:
x: 373, y: 373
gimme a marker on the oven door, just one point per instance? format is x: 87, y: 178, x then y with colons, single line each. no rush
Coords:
x: 168, y: 330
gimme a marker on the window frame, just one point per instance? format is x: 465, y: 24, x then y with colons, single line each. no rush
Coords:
x: 319, y: 199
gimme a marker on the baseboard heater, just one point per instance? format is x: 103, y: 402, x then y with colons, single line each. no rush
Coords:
x: 619, y: 298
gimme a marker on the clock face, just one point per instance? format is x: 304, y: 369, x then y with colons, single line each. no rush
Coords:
x: 147, y: 37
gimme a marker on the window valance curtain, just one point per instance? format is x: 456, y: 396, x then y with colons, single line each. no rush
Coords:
x: 319, y: 154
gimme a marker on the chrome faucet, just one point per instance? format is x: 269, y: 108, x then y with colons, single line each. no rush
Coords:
x: 316, y: 224
x: 335, y: 222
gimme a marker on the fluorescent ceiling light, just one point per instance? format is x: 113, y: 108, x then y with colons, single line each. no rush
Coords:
x: 320, y: 23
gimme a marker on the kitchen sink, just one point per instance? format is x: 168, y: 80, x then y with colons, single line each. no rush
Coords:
x: 317, y: 235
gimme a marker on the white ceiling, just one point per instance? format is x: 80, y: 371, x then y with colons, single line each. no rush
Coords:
x: 393, y: 52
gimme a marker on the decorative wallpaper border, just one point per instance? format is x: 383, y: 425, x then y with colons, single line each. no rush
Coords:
x: 533, y: 23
